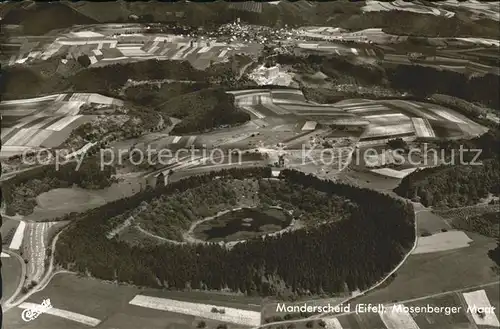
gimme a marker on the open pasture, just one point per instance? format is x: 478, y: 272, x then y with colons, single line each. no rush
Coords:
x: 111, y: 305
x: 438, y: 272
x: 442, y: 241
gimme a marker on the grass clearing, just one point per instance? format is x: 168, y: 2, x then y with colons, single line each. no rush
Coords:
x: 442, y: 241
x: 230, y: 315
x: 11, y: 274
x: 430, y: 223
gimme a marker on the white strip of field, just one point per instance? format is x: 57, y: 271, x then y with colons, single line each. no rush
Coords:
x: 30, y: 100
x: 333, y: 323
x: 21, y: 137
x: 478, y: 301
x: 87, y: 34
x: 69, y: 108
x: 267, y: 102
x: 446, y: 115
x: 254, y: 112
x: 39, y: 138
x: 17, y: 240
x: 388, y: 115
x: 367, y: 108
x: 422, y: 127
x: 395, y: 318
x: 5, y: 255
x: 204, y: 50
x: 309, y: 125
x: 63, y: 123
x: 87, y: 320
x: 28, y: 136
x: 354, y: 102
x: 389, y: 130
x: 442, y: 241
x: 288, y: 91
x: 389, y: 172
x: 223, y: 53
x: 232, y: 315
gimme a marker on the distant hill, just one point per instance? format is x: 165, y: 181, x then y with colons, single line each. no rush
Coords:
x: 38, y: 18
x: 41, y: 18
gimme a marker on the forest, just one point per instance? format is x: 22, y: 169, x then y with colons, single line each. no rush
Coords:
x: 452, y: 186
x: 326, y: 259
x: 420, y: 81
x: 169, y: 215
x: 460, y: 184
x: 20, y: 192
x: 203, y: 110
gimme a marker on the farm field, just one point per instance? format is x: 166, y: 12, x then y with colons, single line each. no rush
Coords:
x: 381, y: 119
x: 59, y: 202
x: 430, y: 223
x: 110, y: 303
x: 11, y: 274
x: 103, y: 48
x: 437, y: 272
x: 442, y: 241
x: 456, y: 312
x: 405, y: 6
x: 44, y: 122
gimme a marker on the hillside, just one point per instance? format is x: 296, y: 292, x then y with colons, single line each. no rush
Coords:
x: 39, y: 19
x: 345, y: 14
x: 203, y: 110
x: 452, y: 186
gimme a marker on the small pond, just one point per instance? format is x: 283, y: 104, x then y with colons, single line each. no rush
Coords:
x: 243, y: 224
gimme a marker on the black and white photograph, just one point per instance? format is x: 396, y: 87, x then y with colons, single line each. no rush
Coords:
x: 250, y: 164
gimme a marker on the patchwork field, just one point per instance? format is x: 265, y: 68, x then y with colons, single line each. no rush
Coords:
x: 113, y: 306
x: 106, y: 46
x: 406, y: 6
x: 457, y: 310
x: 44, y: 122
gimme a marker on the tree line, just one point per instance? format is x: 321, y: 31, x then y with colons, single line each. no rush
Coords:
x: 20, y: 191
x: 342, y: 255
x: 461, y: 184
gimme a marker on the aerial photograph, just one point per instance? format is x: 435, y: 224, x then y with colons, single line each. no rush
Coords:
x: 250, y: 164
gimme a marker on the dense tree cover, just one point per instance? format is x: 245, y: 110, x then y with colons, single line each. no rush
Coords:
x: 347, y: 254
x: 203, y: 110
x: 495, y: 254
x: 113, y: 77
x: 84, y: 60
x: 153, y: 95
x: 468, y: 109
x: 421, y: 81
x: 487, y: 224
x: 171, y: 214
x: 20, y: 192
x: 425, y: 81
x: 452, y: 186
